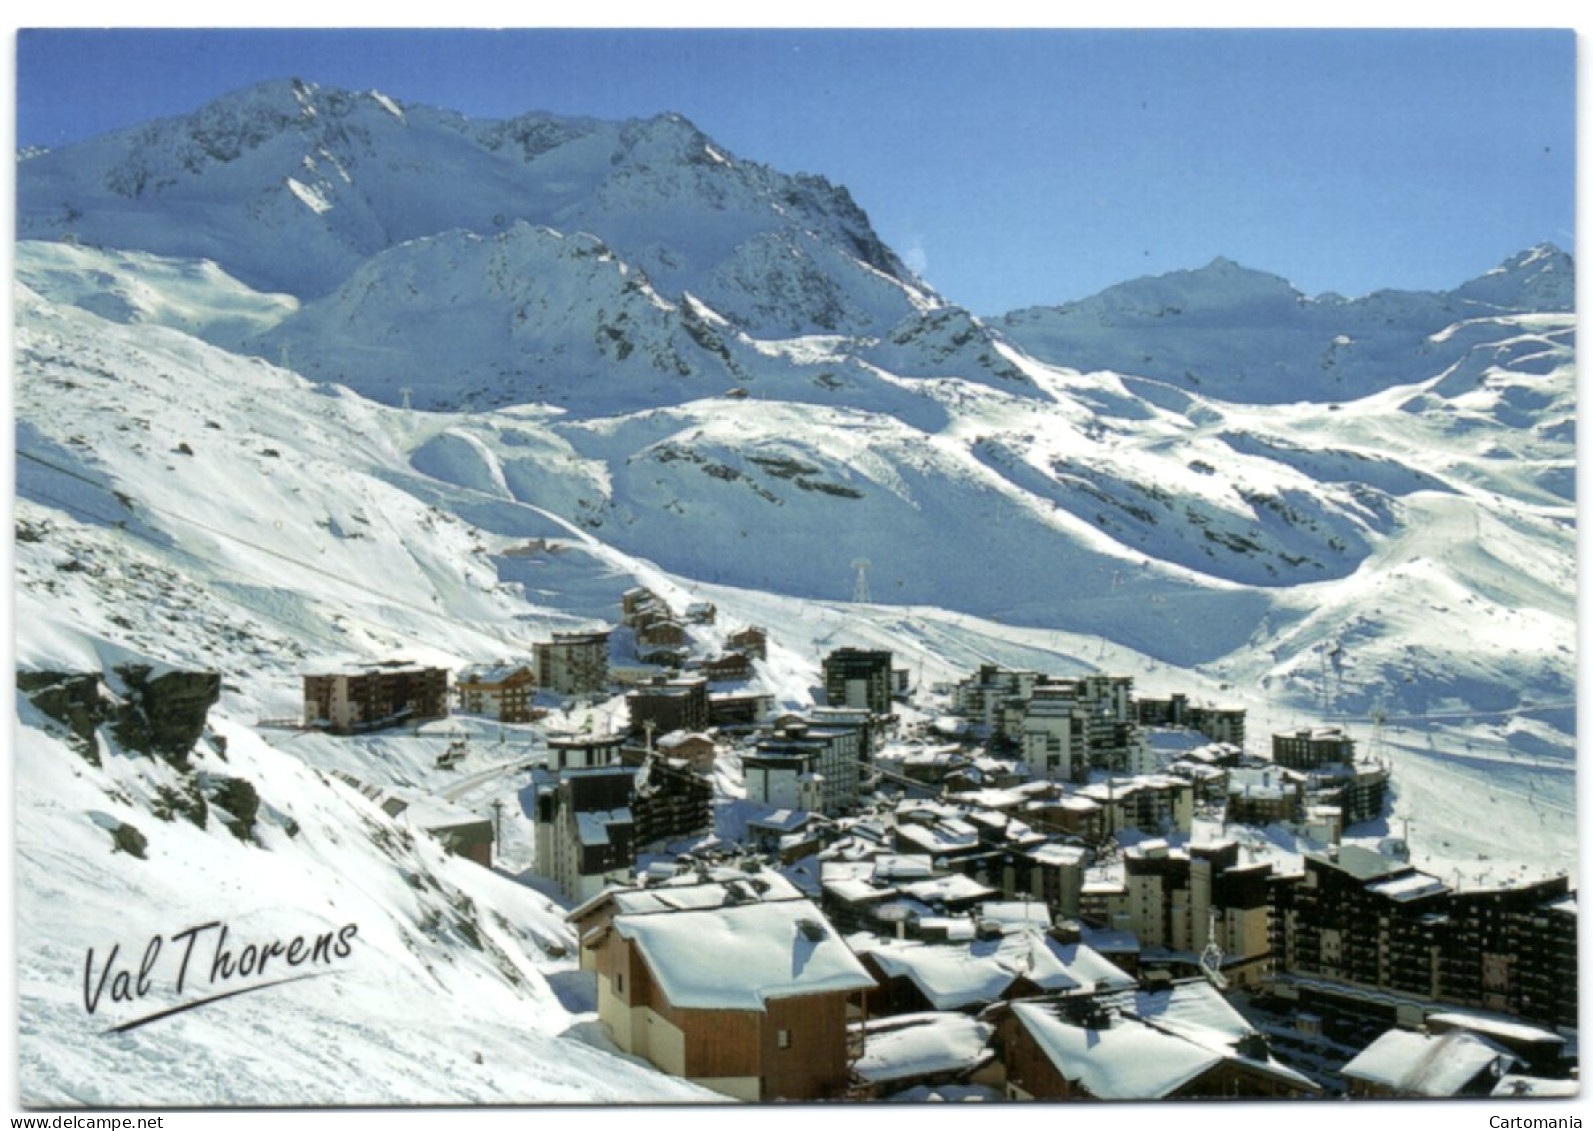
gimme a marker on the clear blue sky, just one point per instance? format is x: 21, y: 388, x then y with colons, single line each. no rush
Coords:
x: 1011, y: 167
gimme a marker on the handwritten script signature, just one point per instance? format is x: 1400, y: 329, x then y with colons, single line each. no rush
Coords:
x: 231, y: 969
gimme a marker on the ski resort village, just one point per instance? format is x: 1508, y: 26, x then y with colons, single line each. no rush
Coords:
x: 1017, y: 885
x: 548, y: 610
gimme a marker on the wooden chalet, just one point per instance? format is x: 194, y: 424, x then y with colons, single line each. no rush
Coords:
x: 1180, y: 1043
x: 1402, y: 1064
x: 749, y: 999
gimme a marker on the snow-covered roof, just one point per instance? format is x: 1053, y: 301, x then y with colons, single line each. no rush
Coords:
x: 1197, y: 770
x: 1535, y: 1087
x: 886, y: 875
x: 954, y: 928
x: 1424, y: 1065
x: 1505, y: 1028
x: 592, y: 826
x: 743, y: 956
x: 993, y: 799
x: 980, y: 971
x: 953, y: 887
x: 365, y: 667
x: 1215, y: 751
x: 782, y: 820
x: 922, y: 755
x: 760, y: 698
x: 900, y: 908
x: 846, y: 869
x: 1184, y: 1030
x: 1172, y: 738
x: 680, y: 738
x: 1061, y: 966
x: 994, y: 765
x: 417, y: 809
x: 1110, y: 940
x: 1058, y: 854
x: 1128, y: 1060
x: 493, y: 673
x: 589, y: 636
x: 687, y: 891
x: 1362, y: 863
x: 1103, y: 887
x: 958, y: 828
x: 435, y: 813
x: 586, y: 742
x: 1196, y: 1011
x: 1314, y: 734
x: 1153, y: 849
x: 1118, y: 788
x: 853, y: 890
x: 922, y: 1044
x: 1402, y: 889
x: 674, y: 689
x: 903, y: 866
x: 1016, y: 912
x: 948, y: 975
x: 939, y: 837
x: 1265, y: 784
x: 1020, y: 834
x: 923, y: 808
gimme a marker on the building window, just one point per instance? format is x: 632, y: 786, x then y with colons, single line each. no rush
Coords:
x: 784, y: 1038
x: 619, y: 983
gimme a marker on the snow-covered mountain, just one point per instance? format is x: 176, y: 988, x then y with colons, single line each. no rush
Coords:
x: 290, y: 187
x: 1243, y: 335
x: 659, y: 364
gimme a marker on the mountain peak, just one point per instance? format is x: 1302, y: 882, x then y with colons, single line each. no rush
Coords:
x: 287, y: 101
x: 289, y: 95
x: 227, y: 127
x: 667, y: 136
x: 1230, y: 271
x: 1221, y: 284
x: 1540, y: 257
x: 1542, y: 277
x: 1537, y: 251
x: 671, y: 120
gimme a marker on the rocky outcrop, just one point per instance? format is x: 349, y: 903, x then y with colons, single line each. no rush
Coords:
x: 158, y: 714
x: 239, y: 800
x: 75, y: 700
x: 165, y: 714
x: 128, y: 839
x: 162, y: 715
